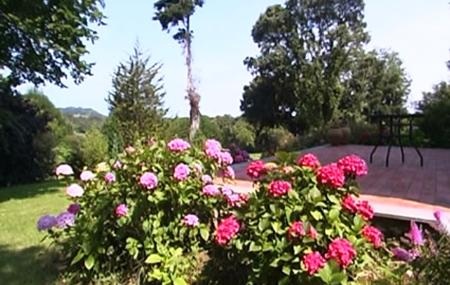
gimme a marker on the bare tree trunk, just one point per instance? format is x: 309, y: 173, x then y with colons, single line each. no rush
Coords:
x: 192, y: 95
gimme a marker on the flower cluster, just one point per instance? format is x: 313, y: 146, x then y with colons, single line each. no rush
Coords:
x: 361, y: 207
x: 234, y: 199
x: 342, y: 251
x: 296, y: 230
x: 239, y: 155
x: 373, y: 235
x: 313, y: 262
x: 309, y: 160
x: 331, y: 175
x: 121, y: 210
x: 256, y: 169
x: 181, y: 172
x: 178, y: 145
x: 148, y: 180
x: 353, y: 165
x: 226, y: 230
x: 278, y: 188
x: 212, y: 148
x: 64, y: 170
x: 87, y: 175
x: 191, y: 220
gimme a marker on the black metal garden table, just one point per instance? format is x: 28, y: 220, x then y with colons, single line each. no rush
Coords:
x: 394, y: 123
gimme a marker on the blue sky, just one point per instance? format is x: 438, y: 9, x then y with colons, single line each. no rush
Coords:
x: 418, y: 30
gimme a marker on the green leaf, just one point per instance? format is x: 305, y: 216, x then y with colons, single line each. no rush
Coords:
x: 274, y: 263
x: 89, y: 262
x: 315, y: 195
x: 333, y: 214
x: 204, y: 233
x: 333, y: 199
x: 254, y: 247
x: 78, y: 257
x: 276, y: 226
x: 316, y: 215
x: 263, y: 224
x: 153, y: 259
x: 286, y: 269
x: 179, y: 281
x: 338, y: 278
x: 326, y: 274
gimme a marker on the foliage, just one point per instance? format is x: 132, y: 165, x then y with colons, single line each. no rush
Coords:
x: 45, y: 41
x: 94, y: 148
x: 293, y: 213
x: 178, y: 13
x: 136, y: 102
x: 435, y: 107
x: 83, y: 119
x: 133, y: 222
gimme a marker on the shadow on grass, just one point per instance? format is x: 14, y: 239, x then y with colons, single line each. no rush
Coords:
x: 29, y: 190
x: 32, y: 265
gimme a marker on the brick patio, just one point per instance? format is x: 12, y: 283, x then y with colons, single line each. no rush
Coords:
x: 401, y: 190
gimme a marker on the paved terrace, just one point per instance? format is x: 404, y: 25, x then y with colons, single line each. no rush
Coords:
x: 405, y: 191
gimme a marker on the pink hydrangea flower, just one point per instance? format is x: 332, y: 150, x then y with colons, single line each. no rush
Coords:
x: 191, y: 220
x: 228, y: 172
x: 415, y: 234
x: 373, y: 235
x: 296, y: 230
x: 64, y: 169
x: 226, y: 230
x: 74, y: 190
x: 121, y: 210
x: 353, y: 165
x: 349, y: 204
x: 181, y: 172
x: 256, y: 169
x: 365, y: 210
x: 110, y: 177
x: 117, y: 164
x: 278, y: 188
x: 87, y: 175
x: 225, y: 158
x: 178, y: 145
x: 342, y: 251
x: 234, y: 199
x: 309, y: 160
x: 148, y: 180
x: 212, y: 148
x: 206, y: 179
x: 313, y: 262
x: 74, y: 208
x: 211, y: 190
x: 331, y: 175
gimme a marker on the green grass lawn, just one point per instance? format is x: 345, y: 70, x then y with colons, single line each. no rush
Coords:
x: 24, y: 259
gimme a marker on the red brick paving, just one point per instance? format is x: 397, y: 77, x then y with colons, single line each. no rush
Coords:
x: 400, y: 190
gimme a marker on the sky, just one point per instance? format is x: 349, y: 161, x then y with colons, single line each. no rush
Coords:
x: 418, y: 30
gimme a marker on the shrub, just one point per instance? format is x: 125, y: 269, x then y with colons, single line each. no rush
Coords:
x: 145, y: 217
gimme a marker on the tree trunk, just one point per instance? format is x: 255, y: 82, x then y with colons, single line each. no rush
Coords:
x: 193, y: 97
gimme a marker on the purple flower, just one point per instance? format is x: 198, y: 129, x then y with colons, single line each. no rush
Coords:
x: 46, y: 222
x: 65, y: 220
x: 178, y: 145
x: 87, y: 175
x: 206, y: 179
x: 415, y: 234
x: 149, y: 180
x: 210, y: 190
x: 117, y: 164
x: 438, y: 216
x: 74, y: 208
x: 402, y: 254
x: 74, y: 190
x: 229, y: 172
x: 121, y: 210
x: 225, y: 158
x: 191, y: 220
x: 64, y: 169
x: 181, y: 172
x: 212, y: 148
x: 110, y: 177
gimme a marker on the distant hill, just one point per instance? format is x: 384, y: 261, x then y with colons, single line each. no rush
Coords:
x: 82, y: 119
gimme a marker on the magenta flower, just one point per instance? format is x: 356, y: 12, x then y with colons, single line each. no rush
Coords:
x: 64, y: 169
x: 74, y: 208
x: 121, y: 210
x: 87, y: 175
x: 191, y: 220
x: 309, y: 160
x: 353, y: 165
x: 110, y: 177
x: 178, y: 145
x: 74, y: 190
x: 46, y: 222
x: 331, y: 175
x: 226, y: 230
x: 181, y: 172
x: 148, y: 180
x: 210, y: 190
x: 212, y: 148
x: 278, y: 188
x: 415, y: 234
x: 296, y: 230
x: 342, y: 251
x: 313, y: 262
x: 373, y: 235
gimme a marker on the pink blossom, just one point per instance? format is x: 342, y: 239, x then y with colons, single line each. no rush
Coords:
x: 117, y: 164
x: 373, y: 235
x: 121, y: 210
x: 353, y: 165
x: 148, y: 180
x: 365, y: 210
x: 74, y: 208
x: 278, y: 188
x: 226, y: 230
x: 206, y: 179
x: 229, y: 172
x: 296, y: 230
x: 178, y: 145
x: 342, y: 251
x: 331, y: 175
x: 110, y: 177
x: 181, y: 172
x: 191, y: 220
x: 234, y: 199
x: 87, y: 175
x: 313, y: 262
x: 212, y: 148
x: 349, y: 204
x: 64, y: 169
x: 225, y: 158
x: 256, y: 169
x: 309, y: 160
x: 312, y: 233
x: 415, y: 234
x: 74, y: 190
x: 210, y: 190
x: 403, y: 254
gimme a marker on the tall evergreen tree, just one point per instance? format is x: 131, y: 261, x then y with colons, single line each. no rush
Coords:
x: 177, y: 13
x: 136, y: 101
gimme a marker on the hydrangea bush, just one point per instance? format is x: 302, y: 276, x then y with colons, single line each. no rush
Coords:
x: 146, y: 216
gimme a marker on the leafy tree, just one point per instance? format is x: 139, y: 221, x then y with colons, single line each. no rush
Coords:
x: 136, y: 101
x: 177, y: 13
x: 94, y: 148
x: 45, y: 40
x: 307, y: 47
